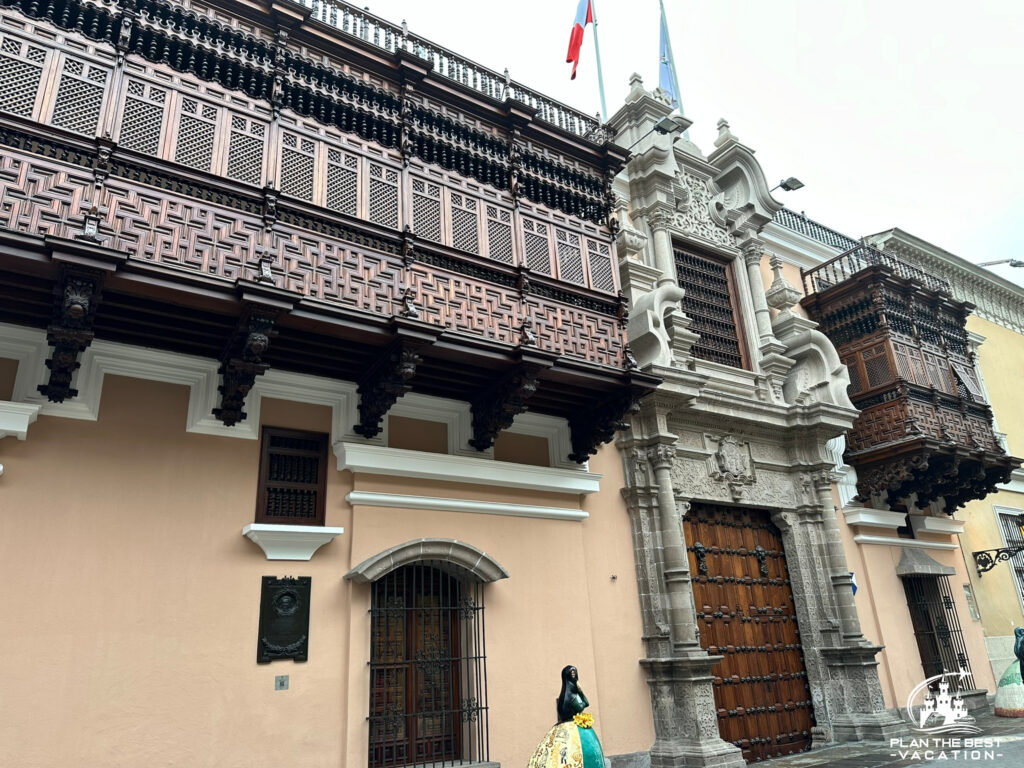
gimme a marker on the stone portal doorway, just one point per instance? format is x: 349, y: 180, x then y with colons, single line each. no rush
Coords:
x: 745, y: 613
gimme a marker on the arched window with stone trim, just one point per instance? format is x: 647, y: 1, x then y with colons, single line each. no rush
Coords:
x: 428, y: 677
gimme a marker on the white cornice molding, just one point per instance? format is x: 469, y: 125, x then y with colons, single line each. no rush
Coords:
x: 15, y: 418
x: 29, y: 347
x: 436, y: 504
x: 863, y: 538
x: 947, y: 525
x: 1016, y: 484
x: 290, y: 542
x: 794, y: 248
x: 394, y: 462
x: 875, y: 518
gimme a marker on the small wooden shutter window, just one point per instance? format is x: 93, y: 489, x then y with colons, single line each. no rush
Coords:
x: 293, y: 475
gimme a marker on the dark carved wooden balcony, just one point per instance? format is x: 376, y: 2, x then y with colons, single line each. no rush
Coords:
x: 925, y: 427
x: 309, y: 188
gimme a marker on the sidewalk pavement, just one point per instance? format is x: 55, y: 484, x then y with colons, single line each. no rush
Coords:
x: 1003, y: 747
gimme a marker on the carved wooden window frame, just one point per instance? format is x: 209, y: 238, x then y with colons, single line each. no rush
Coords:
x: 728, y: 266
x: 263, y: 496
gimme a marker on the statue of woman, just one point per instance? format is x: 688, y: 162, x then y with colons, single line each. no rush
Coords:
x: 572, y: 741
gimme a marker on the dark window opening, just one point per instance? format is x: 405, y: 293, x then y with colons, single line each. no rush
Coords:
x: 293, y: 477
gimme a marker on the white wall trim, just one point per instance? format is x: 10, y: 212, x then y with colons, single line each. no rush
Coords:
x: 377, y: 460
x: 1016, y: 484
x: 876, y: 518
x: 433, y: 503
x: 15, y: 418
x: 553, y: 429
x: 863, y: 538
x: 946, y: 525
x: 290, y: 542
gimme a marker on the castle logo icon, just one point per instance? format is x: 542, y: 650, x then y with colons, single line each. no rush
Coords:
x: 942, y: 710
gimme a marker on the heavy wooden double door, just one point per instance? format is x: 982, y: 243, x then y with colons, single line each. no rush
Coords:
x: 745, y: 613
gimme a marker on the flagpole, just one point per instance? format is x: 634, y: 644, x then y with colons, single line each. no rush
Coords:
x: 671, y: 62
x: 600, y: 76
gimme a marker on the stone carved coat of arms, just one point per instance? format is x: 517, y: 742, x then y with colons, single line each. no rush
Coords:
x: 731, y: 464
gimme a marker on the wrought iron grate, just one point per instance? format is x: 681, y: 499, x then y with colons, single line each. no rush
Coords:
x: 428, y: 680
x: 940, y: 640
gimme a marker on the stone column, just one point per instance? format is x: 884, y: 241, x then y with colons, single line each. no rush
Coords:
x: 839, y: 571
x: 660, y: 219
x: 753, y: 249
x: 675, y: 564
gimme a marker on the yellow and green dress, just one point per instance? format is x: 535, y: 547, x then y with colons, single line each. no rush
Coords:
x: 572, y: 744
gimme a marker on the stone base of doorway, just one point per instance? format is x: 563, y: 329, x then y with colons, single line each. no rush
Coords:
x: 629, y: 760
x: 976, y: 700
x: 720, y: 755
x: 868, y: 726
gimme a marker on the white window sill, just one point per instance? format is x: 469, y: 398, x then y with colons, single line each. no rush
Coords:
x: 290, y: 542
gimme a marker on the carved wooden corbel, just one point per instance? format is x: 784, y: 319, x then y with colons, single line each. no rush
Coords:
x: 84, y: 265
x: 242, y: 362
x: 390, y: 376
x: 496, y: 407
x: 242, y: 359
x: 76, y: 296
x: 594, y: 425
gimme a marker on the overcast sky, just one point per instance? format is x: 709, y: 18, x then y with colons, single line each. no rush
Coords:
x: 894, y: 113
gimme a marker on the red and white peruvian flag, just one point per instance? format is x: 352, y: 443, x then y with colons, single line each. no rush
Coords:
x: 584, y: 16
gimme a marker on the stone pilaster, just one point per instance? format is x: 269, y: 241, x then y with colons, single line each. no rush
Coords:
x: 659, y: 219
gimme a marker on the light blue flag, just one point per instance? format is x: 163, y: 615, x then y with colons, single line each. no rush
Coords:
x: 666, y: 67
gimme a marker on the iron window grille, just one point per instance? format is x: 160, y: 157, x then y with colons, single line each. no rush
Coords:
x: 428, y: 675
x: 708, y: 303
x: 1009, y: 522
x: 293, y: 477
x: 940, y: 640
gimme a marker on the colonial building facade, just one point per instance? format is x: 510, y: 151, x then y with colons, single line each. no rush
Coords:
x: 312, y: 347
x: 313, y: 339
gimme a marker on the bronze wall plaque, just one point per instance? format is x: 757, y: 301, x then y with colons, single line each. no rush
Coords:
x: 284, y: 619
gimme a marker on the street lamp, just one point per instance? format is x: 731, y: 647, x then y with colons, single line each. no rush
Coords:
x: 986, y: 559
x: 664, y: 126
x: 788, y: 185
x: 1011, y: 262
